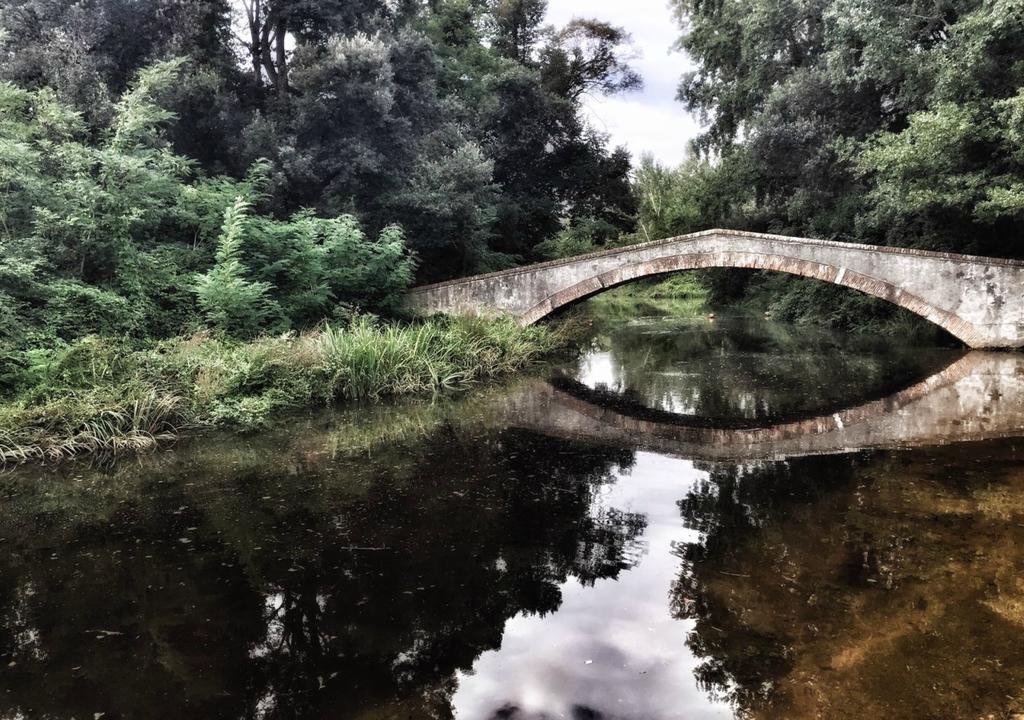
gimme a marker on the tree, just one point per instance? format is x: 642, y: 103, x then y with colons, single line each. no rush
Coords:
x: 449, y: 206
x: 955, y: 166
x: 272, y: 25
x: 588, y: 56
x: 516, y: 28
x: 882, y: 122
x: 230, y: 302
x: 89, y: 53
x: 432, y: 124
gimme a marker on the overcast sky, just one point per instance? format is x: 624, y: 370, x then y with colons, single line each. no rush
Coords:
x: 649, y: 120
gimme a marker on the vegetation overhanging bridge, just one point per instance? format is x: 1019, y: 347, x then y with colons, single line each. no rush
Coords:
x: 979, y: 300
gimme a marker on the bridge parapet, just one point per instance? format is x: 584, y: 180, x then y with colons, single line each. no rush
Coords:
x: 980, y: 300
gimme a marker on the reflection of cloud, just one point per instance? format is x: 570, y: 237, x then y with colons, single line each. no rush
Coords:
x: 611, y: 650
x: 650, y: 120
x: 598, y: 370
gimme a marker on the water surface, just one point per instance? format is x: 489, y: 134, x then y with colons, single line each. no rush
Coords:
x: 693, y: 520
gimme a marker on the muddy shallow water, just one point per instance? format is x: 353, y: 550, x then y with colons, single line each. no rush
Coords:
x: 693, y: 520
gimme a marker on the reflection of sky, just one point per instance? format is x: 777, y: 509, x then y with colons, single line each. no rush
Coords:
x: 600, y: 370
x: 597, y: 369
x: 612, y: 648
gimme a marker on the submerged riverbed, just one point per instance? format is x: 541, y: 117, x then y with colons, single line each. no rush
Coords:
x: 693, y: 520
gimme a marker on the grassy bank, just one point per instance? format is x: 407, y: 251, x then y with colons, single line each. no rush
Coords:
x: 681, y: 295
x: 95, y: 395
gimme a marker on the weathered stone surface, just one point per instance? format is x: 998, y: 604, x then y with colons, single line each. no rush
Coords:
x: 979, y: 300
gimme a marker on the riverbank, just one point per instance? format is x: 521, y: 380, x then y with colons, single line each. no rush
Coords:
x: 680, y: 295
x: 97, y: 396
x: 797, y: 301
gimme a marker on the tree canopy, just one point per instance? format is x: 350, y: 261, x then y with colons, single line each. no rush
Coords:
x: 447, y: 137
x: 458, y: 119
x: 886, y: 121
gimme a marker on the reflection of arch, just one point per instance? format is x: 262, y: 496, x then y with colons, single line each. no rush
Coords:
x: 979, y: 397
x: 629, y: 406
x: 751, y: 261
x: 978, y: 300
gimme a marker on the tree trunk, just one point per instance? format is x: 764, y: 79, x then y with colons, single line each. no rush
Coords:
x: 266, y: 56
x: 252, y: 15
x: 282, y: 58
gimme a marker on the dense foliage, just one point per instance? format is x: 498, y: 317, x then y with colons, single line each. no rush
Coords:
x: 120, y: 235
x: 891, y: 122
x: 456, y: 119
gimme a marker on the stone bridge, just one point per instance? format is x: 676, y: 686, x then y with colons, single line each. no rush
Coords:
x: 979, y: 300
x: 978, y: 397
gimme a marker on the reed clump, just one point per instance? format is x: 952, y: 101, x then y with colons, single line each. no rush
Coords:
x: 96, y: 395
x: 369, y: 361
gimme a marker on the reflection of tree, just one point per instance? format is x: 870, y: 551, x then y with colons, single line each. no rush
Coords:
x: 860, y: 586
x: 731, y: 509
x: 743, y: 368
x: 242, y: 582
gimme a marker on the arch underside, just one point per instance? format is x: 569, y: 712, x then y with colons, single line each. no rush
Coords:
x: 844, y: 277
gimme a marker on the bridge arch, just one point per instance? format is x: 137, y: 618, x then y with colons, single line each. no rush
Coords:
x: 840, y: 276
x: 976, y: 299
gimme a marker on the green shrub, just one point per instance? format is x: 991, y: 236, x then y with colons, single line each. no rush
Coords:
x: 112, y: 233
x: 230, y: 302
x: 585, y: 236
x: 75, y: 309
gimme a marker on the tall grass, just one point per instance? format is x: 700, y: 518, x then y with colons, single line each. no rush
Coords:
x: 91, y: 423
x: 97, y: 396
x: 370, y: 361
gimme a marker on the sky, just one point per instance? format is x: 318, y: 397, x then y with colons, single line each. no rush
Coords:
x: 649, y: 120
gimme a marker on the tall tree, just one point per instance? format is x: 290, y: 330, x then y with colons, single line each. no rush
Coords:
x: 874, y: 120
x: 273, y: 27
x: 588, y: 56
x: 517, y: 27
x: 522, y: 87
x: 90, y: 51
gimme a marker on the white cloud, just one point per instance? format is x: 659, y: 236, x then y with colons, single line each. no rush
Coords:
x: 649, y: 120
x: 662, y: 131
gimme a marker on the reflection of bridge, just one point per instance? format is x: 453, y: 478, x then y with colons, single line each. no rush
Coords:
x: 979, y: 397
x: 979, y: 300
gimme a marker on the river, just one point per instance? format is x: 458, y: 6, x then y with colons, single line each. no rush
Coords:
x: 694, y: 519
